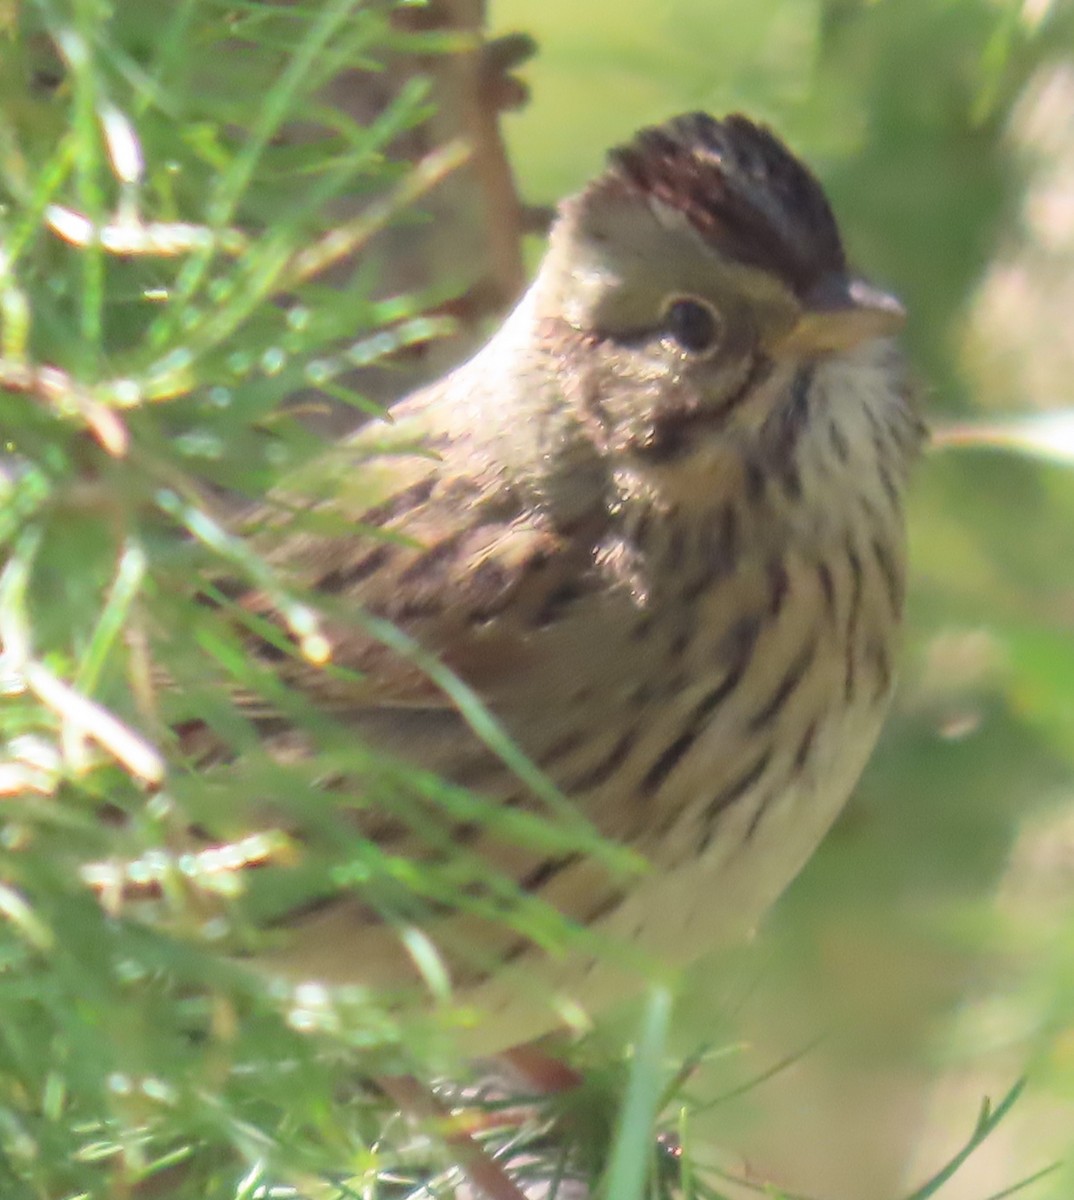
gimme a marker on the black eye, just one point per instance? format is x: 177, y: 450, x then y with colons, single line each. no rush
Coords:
x: 693, y: 324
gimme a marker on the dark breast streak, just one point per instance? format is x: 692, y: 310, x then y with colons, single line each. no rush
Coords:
x: 742, y: 656
x: 682, y: 671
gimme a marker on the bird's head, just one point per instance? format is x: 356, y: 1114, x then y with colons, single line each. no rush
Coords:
x: 693, y: 279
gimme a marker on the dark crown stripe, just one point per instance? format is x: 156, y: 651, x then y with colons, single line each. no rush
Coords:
x: 740, y: 188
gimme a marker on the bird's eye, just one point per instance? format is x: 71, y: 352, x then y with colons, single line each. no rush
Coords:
x: 694, y: 324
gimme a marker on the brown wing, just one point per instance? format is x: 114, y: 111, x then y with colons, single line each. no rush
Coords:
x: 448, y: 554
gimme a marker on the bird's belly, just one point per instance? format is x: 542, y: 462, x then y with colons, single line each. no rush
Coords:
x: 717, y: 894
x: 707, y: 901
x: 725, y: 782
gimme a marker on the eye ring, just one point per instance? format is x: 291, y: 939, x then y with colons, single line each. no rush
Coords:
x: 694, y: 324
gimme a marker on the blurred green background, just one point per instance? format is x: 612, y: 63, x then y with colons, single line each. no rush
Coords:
x: 929, y: 944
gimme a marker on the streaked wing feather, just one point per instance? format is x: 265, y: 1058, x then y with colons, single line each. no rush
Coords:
x: 453, y: 559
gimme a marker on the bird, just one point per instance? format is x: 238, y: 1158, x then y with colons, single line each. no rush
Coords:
x: 656, y: 528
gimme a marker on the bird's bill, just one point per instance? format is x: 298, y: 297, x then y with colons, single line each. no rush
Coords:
x: 838, y: 314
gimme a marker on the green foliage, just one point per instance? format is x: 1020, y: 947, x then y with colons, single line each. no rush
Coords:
x: 169, y: 176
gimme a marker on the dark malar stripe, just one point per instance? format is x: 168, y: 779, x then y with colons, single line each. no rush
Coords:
x: 670, y: 438
x: 783, y: 429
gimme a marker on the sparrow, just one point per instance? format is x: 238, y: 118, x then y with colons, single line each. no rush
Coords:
x: 655, y: 526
